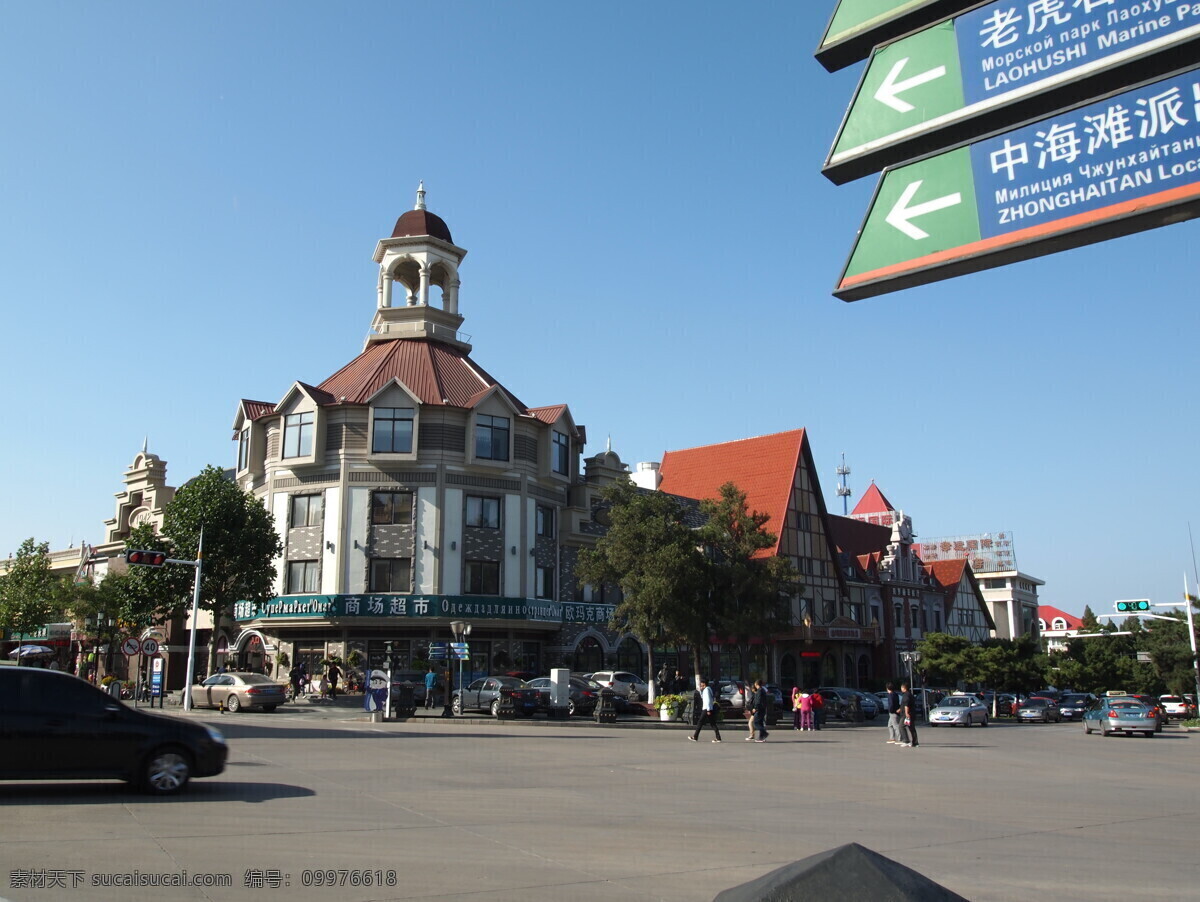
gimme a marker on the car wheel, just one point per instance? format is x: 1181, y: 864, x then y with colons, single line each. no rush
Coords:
x: 984, y: 722
x: 165, y: 771
x: 495, y: 707
x: 1149, y: 734
x: 269, y: 708
x: 570, y: 708
x: 1086, y: 729
x: 233, y: 704
x: 1103, y: 729
x: 456, y: 707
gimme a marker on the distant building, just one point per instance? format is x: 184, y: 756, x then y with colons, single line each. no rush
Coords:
x: 1057, y: 627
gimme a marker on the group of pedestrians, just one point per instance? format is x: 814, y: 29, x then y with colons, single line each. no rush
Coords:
x: 902, y: 718
x: 902, y: 730
x: 808, y: 710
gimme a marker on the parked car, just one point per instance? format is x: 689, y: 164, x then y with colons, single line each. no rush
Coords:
x: 623, y: 683
x: 583, y: 694
x: 484, y: 695
x: 55, y: 726
x: 1034, y: 710
x: 1072, y: 706
x: 1120, y: 715
x: 1177, y: 707
x: 235, y: 691
x: 959, y: 709
x: 734, y: 692
x: 839, y: 702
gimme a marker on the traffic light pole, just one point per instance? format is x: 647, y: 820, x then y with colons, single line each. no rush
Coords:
x: 191, y: 664
x: 1142, y: 612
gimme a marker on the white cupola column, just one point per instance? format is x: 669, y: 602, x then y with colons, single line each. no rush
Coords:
x: 385, y: 288
x: 451, y: 300
x: 424, y: 301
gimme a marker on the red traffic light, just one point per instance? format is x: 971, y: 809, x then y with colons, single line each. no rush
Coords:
x: 145, y: 558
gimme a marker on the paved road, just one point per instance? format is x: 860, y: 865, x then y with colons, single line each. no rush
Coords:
x: 545, y: 812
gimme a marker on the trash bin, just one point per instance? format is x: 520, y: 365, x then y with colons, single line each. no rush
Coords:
x: 605, y: 712
x: 403, y: 700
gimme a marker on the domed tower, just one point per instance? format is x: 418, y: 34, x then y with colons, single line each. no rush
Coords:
x: 419, y: 256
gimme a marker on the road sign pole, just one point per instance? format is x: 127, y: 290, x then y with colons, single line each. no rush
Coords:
x: 191, y: 663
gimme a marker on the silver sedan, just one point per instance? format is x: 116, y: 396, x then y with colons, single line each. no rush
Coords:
x: 959, y: 709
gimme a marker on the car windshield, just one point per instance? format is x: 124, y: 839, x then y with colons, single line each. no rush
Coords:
x: 1075, y: 700
x: 509, y: 682
x: 1171, y: 699
x: 955, y: 703
x: 1035, y: 703
x: 255, y: 679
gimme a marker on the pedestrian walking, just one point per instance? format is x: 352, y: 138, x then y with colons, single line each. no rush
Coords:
x: 708, y: 713
x: 760, y: 712
x: 909, y: 717
x: 892, y: 702
x: 332, y: 673
x: 818, y: 705
x: 797, y: 692
x: 430, y: 684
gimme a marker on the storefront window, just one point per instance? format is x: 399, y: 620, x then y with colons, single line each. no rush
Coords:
x: 589, y: 656
x: 630, y: 657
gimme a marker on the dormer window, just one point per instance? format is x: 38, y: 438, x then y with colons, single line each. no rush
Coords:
x: 560, y: 450
x: 491, y: 437
x: 298, y: 435
x: 392, y: 430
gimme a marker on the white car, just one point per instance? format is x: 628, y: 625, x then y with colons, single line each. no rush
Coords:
x: 624, y: 683
x: 959, y: 709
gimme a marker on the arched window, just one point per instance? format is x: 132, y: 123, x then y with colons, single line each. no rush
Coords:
x: 849, y: 670
x: 864, y: 670
x: 629, y: 656
x: 589, y: 656
x: 1059, y: 624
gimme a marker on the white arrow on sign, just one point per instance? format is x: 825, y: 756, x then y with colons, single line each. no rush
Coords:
x: 889, y: 92
x: 901, y: 212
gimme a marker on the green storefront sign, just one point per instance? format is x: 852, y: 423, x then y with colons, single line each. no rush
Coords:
x: 418, y: 607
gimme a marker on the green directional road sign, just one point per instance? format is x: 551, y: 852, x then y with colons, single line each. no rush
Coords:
x: 1000, y: 64
x: 858, y: 25
x: 1119, y: 165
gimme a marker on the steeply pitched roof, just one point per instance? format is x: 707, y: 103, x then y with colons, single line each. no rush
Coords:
x: 763, y: 467
x: 435, y: 372
x: 947, y: 573
x: 872, y: 502
x: 257, y: 409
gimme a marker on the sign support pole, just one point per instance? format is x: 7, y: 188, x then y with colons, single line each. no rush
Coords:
x: 191, y: 664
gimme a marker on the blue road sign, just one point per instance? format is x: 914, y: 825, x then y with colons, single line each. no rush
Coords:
x: 1001, y: 64
x: 438, y: 651
x: 1120, y: 165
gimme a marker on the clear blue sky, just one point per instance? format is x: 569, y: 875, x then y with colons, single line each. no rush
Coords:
x: 190, y: 196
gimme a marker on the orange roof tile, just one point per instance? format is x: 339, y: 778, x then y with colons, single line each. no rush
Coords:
x: 763, y: 467
x: 948, y: 573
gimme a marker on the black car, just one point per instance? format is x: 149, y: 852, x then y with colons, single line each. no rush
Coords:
x: 484, y: 695
x: 584, y: 695
x: 56, y: 726
x: 1072, y: 706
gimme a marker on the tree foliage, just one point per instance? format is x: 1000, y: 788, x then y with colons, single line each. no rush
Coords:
x: 749, y: 590
x: 30, y: 594
x: 1004, y: 664
x: 653, y: 556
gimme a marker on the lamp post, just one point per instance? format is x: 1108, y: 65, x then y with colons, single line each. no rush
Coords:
x: 461, y: 630
x: 910, y: 658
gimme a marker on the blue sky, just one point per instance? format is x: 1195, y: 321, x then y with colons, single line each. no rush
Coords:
x: 190, y: 196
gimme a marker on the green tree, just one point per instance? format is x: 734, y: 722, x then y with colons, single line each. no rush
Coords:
x: 749, y: 590
x: 240, y: 546
x: 948, y: 659
x: 651, y: 553
x: 30, y: 594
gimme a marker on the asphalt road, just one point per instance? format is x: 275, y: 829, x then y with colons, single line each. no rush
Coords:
x: 544, y: 812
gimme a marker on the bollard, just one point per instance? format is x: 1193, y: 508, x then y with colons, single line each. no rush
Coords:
x: 605, y: 712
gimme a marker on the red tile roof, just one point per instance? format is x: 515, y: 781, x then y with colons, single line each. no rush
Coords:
x: 257, y: 409
x: 872, y: 502
x: 763, y: 467
x: 947, y: 573
x: 436, y: 373
x: 1049, y: 614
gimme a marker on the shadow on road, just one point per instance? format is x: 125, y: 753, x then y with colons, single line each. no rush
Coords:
x: 202, y: 790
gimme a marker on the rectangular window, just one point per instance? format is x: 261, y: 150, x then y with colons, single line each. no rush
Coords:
x: 391, y: 508
x: 302, y: 577
x: 491, y: 437
x: 483, y: 512
x: 561, y: 451
x: 545, y: 582
x: 392, y: 430
x: 545, y: 521
x: 298, y: 434
x: 391, y: 575
x: 306, y: 511
x: 482, y: 578
x: 244, y: 449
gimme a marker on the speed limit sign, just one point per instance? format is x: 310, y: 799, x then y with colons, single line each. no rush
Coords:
x: 149, y: 646
x: 130, y: 646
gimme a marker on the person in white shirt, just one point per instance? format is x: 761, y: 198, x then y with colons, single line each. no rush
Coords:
x: 708, y: 713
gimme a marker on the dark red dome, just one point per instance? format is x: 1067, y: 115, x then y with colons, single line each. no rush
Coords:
x: 422, y: 222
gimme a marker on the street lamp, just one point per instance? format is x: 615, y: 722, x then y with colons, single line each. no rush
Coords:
x: 910, y: 658
x: 461, y: 630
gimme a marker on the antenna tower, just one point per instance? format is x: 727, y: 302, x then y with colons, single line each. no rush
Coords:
x: 843, y: 489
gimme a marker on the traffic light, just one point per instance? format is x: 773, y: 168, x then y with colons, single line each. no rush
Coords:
x: 1133, y: 607
x: 145, y: 558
